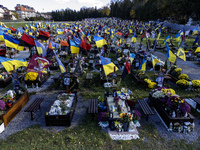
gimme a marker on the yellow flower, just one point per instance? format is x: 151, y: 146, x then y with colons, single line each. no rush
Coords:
x: 32, y: 76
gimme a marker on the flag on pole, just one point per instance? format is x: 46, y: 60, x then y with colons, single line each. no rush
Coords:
x: 99, y: 41
x: 12, y: 42
x: 170, y: 56
x: 108, y: 66
x: 40, y: 48
x: 8, y: 63
x: 126, y: 70
x: 181, y: 53
x: 143, y: 65
x: 74, y: 47
x: 60, y: 64
x: 154, y: 61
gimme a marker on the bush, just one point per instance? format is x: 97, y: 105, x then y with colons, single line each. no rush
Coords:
x: 183, y: 76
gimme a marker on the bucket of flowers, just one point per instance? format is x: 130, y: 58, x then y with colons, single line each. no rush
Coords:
x: 184, y: 84
x: 125, y: 118
x: 196, y: 84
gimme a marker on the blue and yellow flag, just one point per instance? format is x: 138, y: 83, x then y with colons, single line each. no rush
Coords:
x: 196, y: 40
x: 99, y: 41
x: 9, y: 63
x: 154, y: 61
x: 181, y: 53
x: 60, y: 64
x: 74, y: 47
x: 40, y: 49
x: 143, y: 65
x: 167, y: 39
x: 177, y: 37
x: 170, y: 56
x: 195, y: 31
x: 198, y: 49
x: 60, y: 31
x: 1, y: 36
x: 132, y: 57
x: 108, y: 66
x: 134, y: 39
x: 12, y: 42
x: 89, y: 37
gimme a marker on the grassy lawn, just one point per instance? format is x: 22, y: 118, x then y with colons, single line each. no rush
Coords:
x: 15, y: 25
x: 88, y: 136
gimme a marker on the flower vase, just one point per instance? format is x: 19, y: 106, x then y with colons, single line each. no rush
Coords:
x: 125, y: 126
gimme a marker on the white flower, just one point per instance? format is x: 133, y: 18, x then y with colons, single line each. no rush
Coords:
x: 158, y: 94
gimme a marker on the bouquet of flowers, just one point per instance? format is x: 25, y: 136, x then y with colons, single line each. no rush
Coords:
x: 32, y: 76
x: 151, y: 84
x: 183, y: 83
x: 196, y: 83
x: 118, y: 125
x: 125, y: 117
x: 183, y: 76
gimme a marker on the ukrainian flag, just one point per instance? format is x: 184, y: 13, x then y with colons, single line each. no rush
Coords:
x: 170, y: 56
x: 154, y: 61
x: 166, y: 39
x: 40, y: 49
x: 195, y: 31
x: 181, y: 53
x: 143, y: 65
x: 62, y: 68
x: 9, y: 63
x: 1, y: 36
x: 108, y: 66
x: 134, y: 37
x: 89, y: 37
x: 99, y: 41
x: 178, y: 37
x: 12, y: 42
x: 132, y: 57
x: 198, y: 49
x: 74, y: 47
x: 60, y: 31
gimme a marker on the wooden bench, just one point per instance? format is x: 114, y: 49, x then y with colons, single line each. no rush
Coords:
x: 145, y: 108
x: 33, y: 106
x: 93, y: 107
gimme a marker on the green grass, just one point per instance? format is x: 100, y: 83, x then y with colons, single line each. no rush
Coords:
x: 15, y: 24
x: 88, y: 136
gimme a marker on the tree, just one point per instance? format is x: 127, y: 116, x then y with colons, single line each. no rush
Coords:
x: 17, y: 16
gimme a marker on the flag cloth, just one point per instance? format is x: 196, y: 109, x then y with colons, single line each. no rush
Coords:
x: 108, y: 66
x: 166, y: 39
x: 40, y: 48
x: 134, y: 39
x: 143, y: 65
x: 154, y: 61
x: 43, y: 35
x: 12, y: 42
x: 63, y: 44
x: 27, y: 40
x: 37, y: 64
x: 119, y: 33
x: 195, y: 31
x: 60, y: 64
x: 85, y: 45
x: 50, y: 52
x: 187, y: 32
x: 198, y: 49
x: 99, y: 41
x: 126, y: 70
x: 13, y: 30
x: 132, y: 57
x: 8, y: 63
x: 181, y: 53
x: 54, y: 45
x: 1, y: 36
x: 74, y: 47
x: 60, y: 31
x: 177, y: 37
x: 170, y: 56
x: 158, y: 36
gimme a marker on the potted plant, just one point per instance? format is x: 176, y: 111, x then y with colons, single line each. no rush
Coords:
x: 184, y: 84
x: 136, y: 116
x: 125, y: 119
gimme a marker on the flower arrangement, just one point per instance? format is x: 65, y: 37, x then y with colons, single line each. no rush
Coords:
x: 136, y: 115
x: 183, y: 76
x: 32, y: 76
x: 176, y: 71
x: 177, y: 104
x: 103, y: 116
x: 196, y: 83
x: 151, y: 84
x: 183, y: 83
x: 125, y: 117
x: 169, y: 92
x: 158, y: 94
